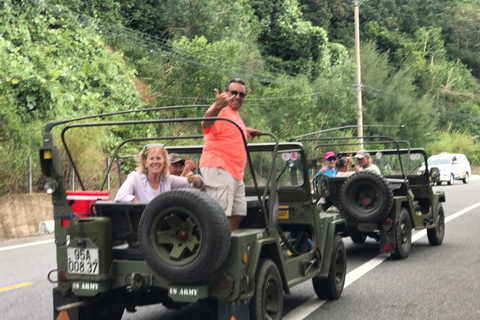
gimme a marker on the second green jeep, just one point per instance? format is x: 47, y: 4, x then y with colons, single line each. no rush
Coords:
x: 389, y: 206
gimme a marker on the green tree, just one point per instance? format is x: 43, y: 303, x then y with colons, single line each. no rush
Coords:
x: 288, y: 41
x: 461, y: 29
x: 390, y: 98
x: 52, y: 68
x: 455, y: 141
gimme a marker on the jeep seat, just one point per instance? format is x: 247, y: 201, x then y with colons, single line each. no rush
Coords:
x: 124, y: 216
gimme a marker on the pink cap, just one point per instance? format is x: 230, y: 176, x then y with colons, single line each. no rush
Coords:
x: 329, y: 154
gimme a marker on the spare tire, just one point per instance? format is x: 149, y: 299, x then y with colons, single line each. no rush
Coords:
x: 366, y: 197
x: 184, y: 235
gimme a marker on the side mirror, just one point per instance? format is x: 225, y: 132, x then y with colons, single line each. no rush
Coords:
x: 312, y: 163
x: 322, y: 186
x: 434, y: 175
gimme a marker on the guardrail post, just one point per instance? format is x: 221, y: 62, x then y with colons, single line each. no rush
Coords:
x: 119, y: 167
x: 107, y: 162
x: 29, y: 174
x: 72, y: 178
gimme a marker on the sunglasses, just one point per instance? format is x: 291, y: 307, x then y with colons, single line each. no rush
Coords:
x: 153, y: 144
x: 145, y: 154
x: 332, y: 158
x: 241, y: 94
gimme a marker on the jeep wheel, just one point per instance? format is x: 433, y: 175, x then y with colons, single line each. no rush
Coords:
x: 366, y: 197
x: 466, y: 179
x: 435, y: 235
x: 450, y: 182
x: 332, y: 287
x: 267, y: 300
x: 358, y: 237
x: 184, y: 235
x: 403, y: 236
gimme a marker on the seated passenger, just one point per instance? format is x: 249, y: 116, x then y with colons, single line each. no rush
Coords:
x: 342, y: 168
x: 365, y: 163
x: 151, y: 177
x: 180, y: 167
x: 328, y: 168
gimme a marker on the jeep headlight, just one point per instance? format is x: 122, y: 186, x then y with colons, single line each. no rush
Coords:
x: 50, y: 186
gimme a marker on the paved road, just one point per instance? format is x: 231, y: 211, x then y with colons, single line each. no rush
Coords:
x: 433, y: 283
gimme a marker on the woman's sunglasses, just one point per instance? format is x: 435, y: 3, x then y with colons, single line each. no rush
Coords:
x: 153, y: 144
x: 332, y: 158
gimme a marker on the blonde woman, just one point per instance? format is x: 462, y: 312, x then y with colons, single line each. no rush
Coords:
x: 152, y: 177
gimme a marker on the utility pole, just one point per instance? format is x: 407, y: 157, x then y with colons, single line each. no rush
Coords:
x: 358, y: 78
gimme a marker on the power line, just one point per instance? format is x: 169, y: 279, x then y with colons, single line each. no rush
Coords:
x: 461, y: 116
x: 155, y: 96
x: 89, y: 21
x: 157, y: 45
x: 149, y: 42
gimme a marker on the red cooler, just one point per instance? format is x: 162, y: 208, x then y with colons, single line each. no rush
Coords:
x: 81, y: 201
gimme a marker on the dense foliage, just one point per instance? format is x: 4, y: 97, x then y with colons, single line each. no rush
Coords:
x: 62, y: 59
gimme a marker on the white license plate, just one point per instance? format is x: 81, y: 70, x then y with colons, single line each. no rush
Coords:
x: 82, y: 261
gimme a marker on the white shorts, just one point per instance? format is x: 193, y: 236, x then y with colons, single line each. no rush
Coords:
x: 226, y: 190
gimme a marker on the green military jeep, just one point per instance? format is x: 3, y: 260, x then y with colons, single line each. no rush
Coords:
x: 178, y: 249
x: 385, y: 207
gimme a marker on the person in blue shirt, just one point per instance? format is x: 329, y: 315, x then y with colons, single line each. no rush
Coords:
x: 328, y: 168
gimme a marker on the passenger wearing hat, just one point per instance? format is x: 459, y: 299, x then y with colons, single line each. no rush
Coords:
x: 180, y: 167
x: 364, y: 162
x: 151, y: 177
x: 342, y: 168
x: 328, y: 168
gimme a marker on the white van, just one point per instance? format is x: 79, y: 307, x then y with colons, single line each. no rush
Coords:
x: 452, y: 166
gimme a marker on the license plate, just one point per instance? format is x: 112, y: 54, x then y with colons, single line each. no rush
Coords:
x: 82, y: 261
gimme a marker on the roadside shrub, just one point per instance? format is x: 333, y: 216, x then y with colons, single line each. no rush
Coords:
x: 456, y: 141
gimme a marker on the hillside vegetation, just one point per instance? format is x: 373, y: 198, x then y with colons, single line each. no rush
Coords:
x: 62, y: 59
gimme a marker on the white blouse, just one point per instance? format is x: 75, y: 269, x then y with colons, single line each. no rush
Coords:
x: 136, y: 186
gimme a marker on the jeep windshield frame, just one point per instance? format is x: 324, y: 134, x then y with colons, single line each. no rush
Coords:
x: 365, y: 140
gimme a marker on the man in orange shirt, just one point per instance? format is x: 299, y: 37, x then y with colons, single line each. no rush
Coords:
x: 224, y: 156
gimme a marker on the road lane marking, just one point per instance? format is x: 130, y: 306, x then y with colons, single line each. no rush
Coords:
x: 312, y: 304
x: 26, y: 245
x: 461, y: 212
x: 25, y: 284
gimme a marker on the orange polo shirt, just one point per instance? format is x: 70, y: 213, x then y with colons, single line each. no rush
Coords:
x: 224, y: 147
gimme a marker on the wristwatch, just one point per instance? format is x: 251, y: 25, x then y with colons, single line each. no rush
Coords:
x: 352, y: 166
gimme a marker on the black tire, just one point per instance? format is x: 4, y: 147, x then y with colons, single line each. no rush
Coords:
x: 109, y: 305
x: 439, y: 183
x: 450, y: 182
x: 358, y: 237
x: 184, y: 235
x: 267, y: 300
x: 466, y: 179
x: 332, y: 287
x: 403, y: 236
x: 436, y: 235
x: 366, y: 197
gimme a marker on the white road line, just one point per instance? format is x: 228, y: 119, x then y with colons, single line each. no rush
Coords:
x: 461, y: 212
x: 309, y: 306
x: 312, y: 304
x: 26, y: 245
